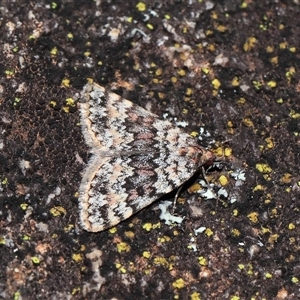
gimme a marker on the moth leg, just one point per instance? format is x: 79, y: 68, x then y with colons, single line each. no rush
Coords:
x: 176, y: 198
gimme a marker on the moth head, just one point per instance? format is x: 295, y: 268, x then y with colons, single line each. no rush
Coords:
x: 199, y: 155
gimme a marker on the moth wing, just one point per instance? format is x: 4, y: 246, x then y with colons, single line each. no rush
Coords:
x: 136, y: 158
x: 111, y: 122
x: 114, y: 188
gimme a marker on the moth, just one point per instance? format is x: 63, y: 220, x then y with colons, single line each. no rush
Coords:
x: 135, y: 158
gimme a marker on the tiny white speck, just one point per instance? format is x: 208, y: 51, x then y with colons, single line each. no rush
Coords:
x: 199, y: 230
x: 165, y: 214
x: 238, y: 175
x: 182, y: 124
x: 233, y: 200
x: 222, y: 192
x: 207, y: 192
x: 193, y: 247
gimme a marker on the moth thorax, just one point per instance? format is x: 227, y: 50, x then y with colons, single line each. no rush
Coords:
x: 193, y: 152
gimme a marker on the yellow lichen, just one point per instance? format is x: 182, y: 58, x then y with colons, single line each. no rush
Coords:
x: 257, y: 85
x: 286, y: 178
x: 174, y: 79
x: 274, y: 60
x: 57, y: 211
x: 195, y: 188
x: 273, y: 238
x: 258, y: 187
x: 189, y: 92
x: 54, y: 51
x: 66, y: 109
x: 235, y: 232
x: 141, y: 6
x: 75, y: 290
x: 227, y: 151
x: 216, y: 83
x: 219, y: 151
x: 181, y: 72
x: 270, y: 143
x: 146, y: 254
x: 70, y: 102
x: 194, y: 134
x: 52, y: 103
x: 158, y: 72
x: 77, y: 257
x: 248, y: 122
x: 123, y: 247
x: 263, y: 168
x: 221, y: 28
x: 223, y: 180
x: 24, y: 206
x: 195, y: 296
x: 164, y: 239
x: 161, y: 261
x: 268, y: 275
x: 179, y: 283
x: 295, y: 279
x: 270, y: 49
x: 235, y: 81
x: 205, y: 70
x: 291, y: 226
x: 250, y: 44
x: 241, y: 100
x: 147, y: 226
x: 113, y: 230
x: 294, y: 115
x: 283, y: 45
x: 202, y: 261
x: 150, y: 26
x: 129, y: 234
x: 208, y: 232
x: 253, y: 217
x: 35, y: 260
x: 272, y: 84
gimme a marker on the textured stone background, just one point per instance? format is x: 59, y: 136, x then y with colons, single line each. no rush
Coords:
x: 229, y: 67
